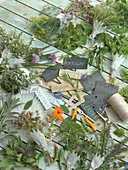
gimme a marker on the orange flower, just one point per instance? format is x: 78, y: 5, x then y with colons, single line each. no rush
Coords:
x: 58, y: 112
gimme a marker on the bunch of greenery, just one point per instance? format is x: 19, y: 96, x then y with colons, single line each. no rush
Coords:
x: 75, y: 85
x: 12, y: 80
x: 114, y: 44
x: 72, y: 37
x: 105, y: 14
x: 73, y: 136
x: 14, y: 43
x: 124, y: 75
x: 6, y: 116
x: 19, y: 154
x: 120, y: 7
x: 95, y: 56
x: 124, y: 93
x: 82, y: 9
x: 45, y: 27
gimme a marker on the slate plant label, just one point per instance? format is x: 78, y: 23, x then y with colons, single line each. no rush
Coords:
x: 105, y: 88
x: 90, y: 81
x: 51, y: 72
x: 97, y: 99
x: 89, y: 111
x: 75, y: 63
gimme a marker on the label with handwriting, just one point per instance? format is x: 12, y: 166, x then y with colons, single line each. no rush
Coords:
x: 43, y: 99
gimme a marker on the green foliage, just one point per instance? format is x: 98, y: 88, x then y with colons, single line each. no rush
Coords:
x: 106, y: 15
x: 124, y: 75
x: 124, y: 93
x: 72, y: 37
x: 5, y: 113
x: 67, y: 78
x: 44, y: 27
x: 28, y: 105
x: 114, y: 44
x: 14, y: 43
x: 64, y: 108
x: 96, y: 56
x: 20, y: 154
x: 121, y: 8
x: 119, y: 132
x: 12, y: 80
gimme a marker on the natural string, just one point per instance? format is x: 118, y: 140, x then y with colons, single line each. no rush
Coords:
x: 120, y: 106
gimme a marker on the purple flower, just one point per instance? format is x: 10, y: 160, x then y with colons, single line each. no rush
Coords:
x: 84, y: 15
x: 98, y: 124
x: 42, y: 51
x: 53, y: 57
x: 35, y: 58
x: 68, y: 19
x: 63, y: 11
x: 58, y: 95
x: 75, y: 14
x: 84, y: 76
x: 71, y: 13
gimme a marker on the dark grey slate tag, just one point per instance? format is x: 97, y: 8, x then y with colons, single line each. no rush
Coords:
x: 89, y: 82
x: 75, y: 63
x: 88, y: 109
x: 105, y: 88
x: 51, y: 72
x: 97, y: 99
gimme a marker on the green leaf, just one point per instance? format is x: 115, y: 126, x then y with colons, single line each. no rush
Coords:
x: 126, y: 100
x: 64, y: 108
x: 29, y: 160
x: 28, y: 104
x: 6, y: 162
x: 119, y: 132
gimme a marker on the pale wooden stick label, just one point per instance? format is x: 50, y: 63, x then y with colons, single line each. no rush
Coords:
x: 43, y: 99
x: 72, y: 74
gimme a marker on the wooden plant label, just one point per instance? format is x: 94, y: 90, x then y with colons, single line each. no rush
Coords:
x: 43, y: 99
x: 64, y: 87
x: 72, y: 74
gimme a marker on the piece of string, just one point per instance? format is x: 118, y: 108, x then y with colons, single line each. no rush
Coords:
x: 120, y: 106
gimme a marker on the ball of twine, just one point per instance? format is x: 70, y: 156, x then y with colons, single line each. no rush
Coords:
x: 119, y: 105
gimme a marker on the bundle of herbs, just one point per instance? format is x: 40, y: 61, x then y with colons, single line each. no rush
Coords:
x: 14, y: 43
x: 13, y: 79
x: 75, y: 139
x: 18, y: 154
x: 45, y: 27
x: 7, y: 116
x: 81, y: 9
x: 72, y: 37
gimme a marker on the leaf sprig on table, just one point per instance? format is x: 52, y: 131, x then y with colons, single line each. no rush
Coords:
x: 74, y: 36
x: 5, y: 113
x: 20, y: 154
x: 12, y: 80
x: 45, y: 27
x: 74, y: 138
x: 66, y: 77
x: 124, y: 75
x: 14, y: 43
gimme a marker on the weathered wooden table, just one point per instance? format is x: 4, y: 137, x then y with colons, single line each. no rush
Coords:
x: 14, y: 14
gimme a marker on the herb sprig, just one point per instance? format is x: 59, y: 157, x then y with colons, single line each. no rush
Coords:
x: 66, y: 77
x: 5, y: 113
